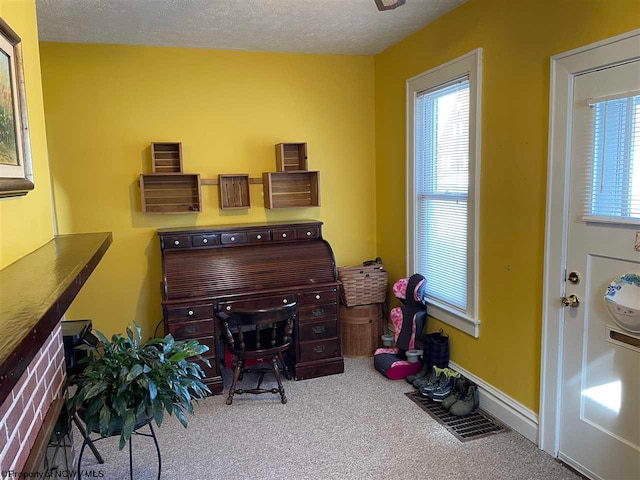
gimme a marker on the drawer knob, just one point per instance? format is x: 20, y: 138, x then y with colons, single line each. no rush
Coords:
x: 308, y: 234
x: 284, y: 300
x: 318, y: 330
x: 205, y: 241
x: 317, y: 312
x: 190, y: 329
x: 284, y: 235
x: 318, y: 348
x: 190, y: 312
x: 259, y: 237
x: 317, y: 297
x: 228, y: 307
x: 176, y: 242
x: 233, y: 239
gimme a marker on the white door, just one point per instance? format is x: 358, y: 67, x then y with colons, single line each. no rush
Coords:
x: 600, y: 392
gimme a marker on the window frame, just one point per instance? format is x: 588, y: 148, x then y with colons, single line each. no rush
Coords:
x: 467, y: 65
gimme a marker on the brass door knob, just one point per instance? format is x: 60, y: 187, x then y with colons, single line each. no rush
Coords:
x: 571, y: 301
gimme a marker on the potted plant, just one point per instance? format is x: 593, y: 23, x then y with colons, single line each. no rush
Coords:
x: 128, y: 383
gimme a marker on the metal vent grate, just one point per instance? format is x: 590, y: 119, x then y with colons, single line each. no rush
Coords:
x: 468, y: 427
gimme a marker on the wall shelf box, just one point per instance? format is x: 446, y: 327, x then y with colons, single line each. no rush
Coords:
x: 170, y: 193
x: 166, y: 157
x: 291, y: 189
x: 234, y: 191
x: 291, y: 157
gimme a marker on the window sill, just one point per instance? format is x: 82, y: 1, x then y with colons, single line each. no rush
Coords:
x: 611, y: 220
x: 456, y: 319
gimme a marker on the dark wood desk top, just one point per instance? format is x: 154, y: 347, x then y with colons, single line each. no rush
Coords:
x: 35, y: 291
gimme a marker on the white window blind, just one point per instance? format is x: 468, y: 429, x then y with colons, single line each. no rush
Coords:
x: 442, y: 188
x: 615, y: 160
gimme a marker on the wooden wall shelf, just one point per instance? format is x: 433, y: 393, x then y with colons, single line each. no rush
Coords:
x: 234, y: 191
x: 291, y: 189
x: 170, y: 193
x: 166, y: 157
x: 291, y: 157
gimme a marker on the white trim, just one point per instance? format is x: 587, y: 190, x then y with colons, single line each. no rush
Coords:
x: 611, y: 220
x: 469, y: 64
x: 564, y: 67
x: 454, y: 318
x: 579, y: 467
x: 509, y: 411
x: 592, y: 101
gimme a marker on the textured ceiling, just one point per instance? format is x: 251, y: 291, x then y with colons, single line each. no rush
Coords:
x: 310, y: 26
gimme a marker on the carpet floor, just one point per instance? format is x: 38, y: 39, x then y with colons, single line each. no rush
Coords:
x: 358, y: 425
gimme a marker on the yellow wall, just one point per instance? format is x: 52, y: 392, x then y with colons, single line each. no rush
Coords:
x: 517, y: 38
x: 105, y: 104
x: 25, y: 222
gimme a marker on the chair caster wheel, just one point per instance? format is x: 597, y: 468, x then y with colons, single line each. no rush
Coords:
x: 229, y: 401
x: 288, y: 376
x: 284, y: 400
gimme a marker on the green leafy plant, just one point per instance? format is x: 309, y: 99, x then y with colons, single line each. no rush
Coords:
x: 128, y: 382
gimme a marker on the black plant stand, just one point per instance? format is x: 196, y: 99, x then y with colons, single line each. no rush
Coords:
x: 89, y: 441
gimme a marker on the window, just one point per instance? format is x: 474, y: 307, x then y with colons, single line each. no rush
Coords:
x: 443, y: 165
x: 615, y: 172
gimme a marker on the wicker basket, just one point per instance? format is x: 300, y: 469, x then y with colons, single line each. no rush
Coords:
x: 363, y: 285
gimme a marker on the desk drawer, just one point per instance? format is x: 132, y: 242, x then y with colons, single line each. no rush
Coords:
x: 195, y: 312
x: 259, y: 236
x: 318, y: 297
x: 257, y: 303
x: 317, y: 312
x: 188, y: 330
x: 283, y: 234
x: 318, y: 330
x: 317, y: 350
x: 209, y: 342
x: 211, y: 371
x: 176, y: 241
x: 231, y: 238
x: 309, y: 233
x: 204, y: 240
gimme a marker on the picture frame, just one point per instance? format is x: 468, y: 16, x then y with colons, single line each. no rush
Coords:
x: 16, y: 171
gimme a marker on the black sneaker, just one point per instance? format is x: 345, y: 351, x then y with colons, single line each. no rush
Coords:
x: 444, y: 387
x: 429, y: 382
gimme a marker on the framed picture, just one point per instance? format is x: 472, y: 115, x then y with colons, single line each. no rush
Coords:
x: 16, y: 172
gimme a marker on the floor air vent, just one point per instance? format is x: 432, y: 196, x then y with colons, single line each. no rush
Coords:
x: 469, y: 427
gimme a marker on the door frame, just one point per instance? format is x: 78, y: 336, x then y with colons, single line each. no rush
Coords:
x: 564, y: 68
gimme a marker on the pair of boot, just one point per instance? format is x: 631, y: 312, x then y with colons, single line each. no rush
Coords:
x: 463, y: 399
x: 435, y: 351
x: 438, y: 385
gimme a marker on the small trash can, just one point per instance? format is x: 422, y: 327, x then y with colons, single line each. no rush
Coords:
x: 75, y: 334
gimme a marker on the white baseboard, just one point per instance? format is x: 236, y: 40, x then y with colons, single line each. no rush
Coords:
x: 503, y: 407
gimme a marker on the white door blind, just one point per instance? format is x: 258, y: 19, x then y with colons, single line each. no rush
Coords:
x: 615, y: 159
x: 442, y: 185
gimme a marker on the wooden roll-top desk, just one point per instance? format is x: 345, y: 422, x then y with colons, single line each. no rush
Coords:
x: 247, y: 266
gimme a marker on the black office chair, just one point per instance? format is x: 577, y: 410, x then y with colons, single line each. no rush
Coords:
x: 258, y: 334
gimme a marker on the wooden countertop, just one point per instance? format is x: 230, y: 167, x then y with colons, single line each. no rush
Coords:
x: 35, y: 291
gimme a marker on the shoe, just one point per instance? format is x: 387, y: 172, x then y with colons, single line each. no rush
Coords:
x: 424, y: 371
x: 429, y: 382
x: 435, y: 352
x: 442, y: 377
x: 436, y: 347
x: 460, y: 386
x: 445, y: 385
x: 467, y: 404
